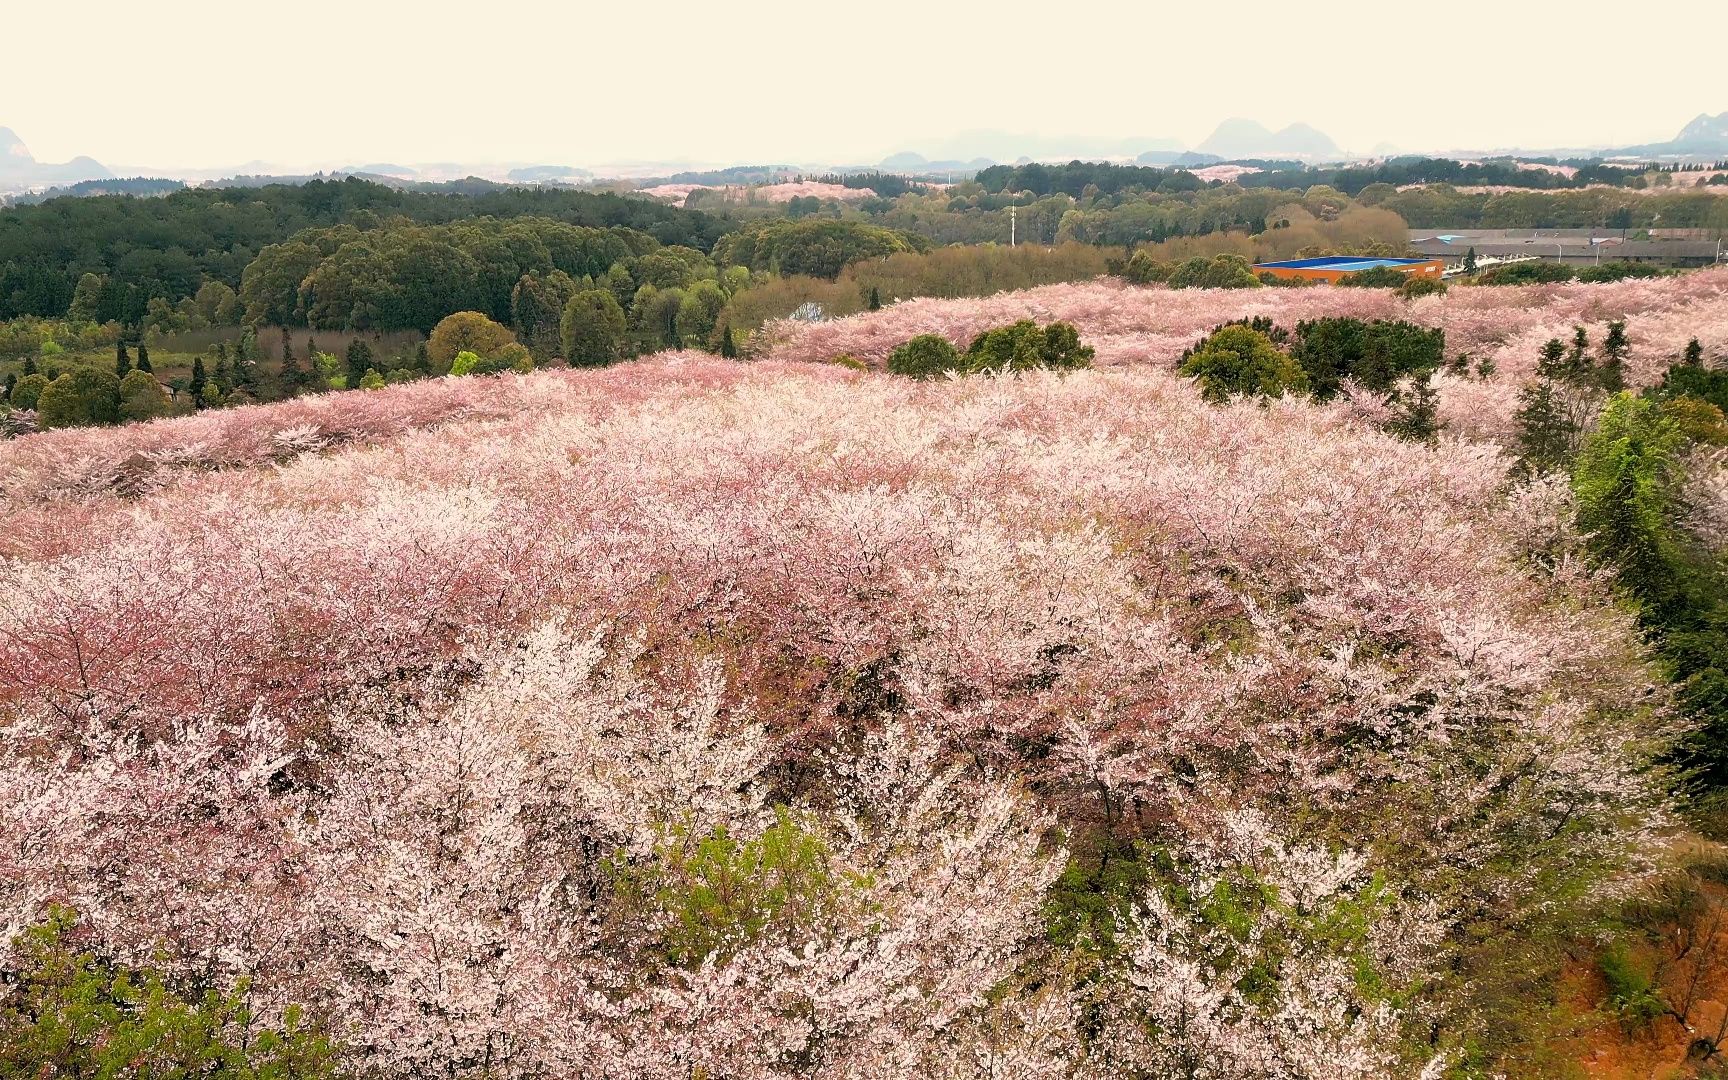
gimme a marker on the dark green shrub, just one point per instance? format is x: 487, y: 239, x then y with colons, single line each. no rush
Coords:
x: 1375, y: 354
x: 925, y: 357
x: 1025, y: 344
x: 1236, y: 360
x: 1375, y: 277
x: 1618, y: 270
x: 1534, y: 272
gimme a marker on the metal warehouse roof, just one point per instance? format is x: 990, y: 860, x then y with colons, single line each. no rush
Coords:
x: 1338, y: 262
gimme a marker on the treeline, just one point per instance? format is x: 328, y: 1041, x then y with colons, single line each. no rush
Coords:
x: 1079, y: 178
x: 1076, y: 177
x: 404, y: 276
x: 1441, y: 206
x: 167, y: 248
x: 1401, y: 171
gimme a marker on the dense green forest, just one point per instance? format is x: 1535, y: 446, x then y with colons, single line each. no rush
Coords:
x: 168, y: 247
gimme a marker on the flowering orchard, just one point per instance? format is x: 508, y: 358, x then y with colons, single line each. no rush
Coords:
x: 1130, y: 325
x: 690, y: 718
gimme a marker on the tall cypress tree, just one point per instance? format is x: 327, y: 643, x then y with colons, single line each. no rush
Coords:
x: 144, y: 358
x: 1614, y: 349
x: 728, y: 347
x: 196, y: 386
x: 122, y: 361
x: 359, y: 359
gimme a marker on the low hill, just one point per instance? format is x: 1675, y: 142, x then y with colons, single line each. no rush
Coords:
x: 19, y: 168
x: 1240, y: 138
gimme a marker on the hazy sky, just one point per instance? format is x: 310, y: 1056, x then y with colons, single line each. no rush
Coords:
x: 202, y: 83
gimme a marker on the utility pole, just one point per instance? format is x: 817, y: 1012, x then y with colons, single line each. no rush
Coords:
x: 1013, y: 223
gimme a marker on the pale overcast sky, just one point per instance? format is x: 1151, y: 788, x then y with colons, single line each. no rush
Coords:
x: 209, y: 83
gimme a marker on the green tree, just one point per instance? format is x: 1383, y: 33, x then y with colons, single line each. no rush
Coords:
x: 925, y: 356
x: 710, y: 894
x: 1025, y: 344
x: 593, y: 328
x: 28, y: 391
x: 468, y: 331
x: 1612, y: 372
x: 728, y: 347
x: 78, y: 398
x: 87, y: 298
x: 699, y: 314
x: 141, y: 397
x: 199, y: 379
x: 1238, y: 360
x: 1470, y: 261
x: 65, y: 1012
x: 875, y: 298
x: 536, y: 306
x: 122, y: 361
x: 144, y: 357
x: 1377, y: 355
x: 358, y: 360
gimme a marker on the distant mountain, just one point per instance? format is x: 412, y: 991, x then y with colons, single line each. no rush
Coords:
x: 384, y: 169
x: 908, y: 162
x: 1705, y: 128
x: 1187, y: 159
x: 19, y: 168
x: 1240, y: 138
x: 991, y: 145
x: 1705, y: 136
x: 538, y: 174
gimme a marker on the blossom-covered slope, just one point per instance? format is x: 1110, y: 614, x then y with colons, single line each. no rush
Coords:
x: 436, y: 709
x: 1134, y: 325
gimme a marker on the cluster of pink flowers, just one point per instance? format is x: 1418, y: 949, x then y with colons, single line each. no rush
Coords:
x: 365, y: 698
x: 1135, y: 325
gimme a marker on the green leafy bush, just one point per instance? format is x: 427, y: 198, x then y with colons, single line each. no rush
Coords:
x: 924, y: 357
x: 1534, y: 272
x: 1025, y: 344
x: 1618, y: 270
x: 70, y: 1013
x: 1237, y: 360
x: 710, y: 893
x: 1375, y: 354
x: 1375, y: 277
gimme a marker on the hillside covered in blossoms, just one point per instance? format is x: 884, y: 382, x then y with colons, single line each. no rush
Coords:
x: 786, y: 716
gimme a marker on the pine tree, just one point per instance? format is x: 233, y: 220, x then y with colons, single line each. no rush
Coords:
x: 1694, y: 354
x: 11, y: 381
x: 1470, y: 261
x: 122, y: 361
x: 144, y: 358
x: 29, y: 365
x: 199, y: 380
x: 291, y: 378
x: 1416, y: 416
x: 1612, y: 374
x: 875, y: 299
x: 728, y: 347
x: 1545, y: 432
x: 1552, y: 363
x: 359, y: 360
